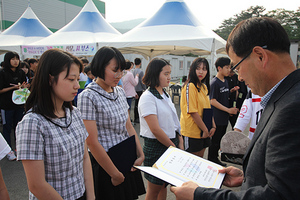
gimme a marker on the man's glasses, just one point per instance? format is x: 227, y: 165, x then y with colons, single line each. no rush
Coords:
x: 234, y: 68
x: 120, y: 74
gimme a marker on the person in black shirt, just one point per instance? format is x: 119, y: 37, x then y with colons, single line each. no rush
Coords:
x: 11, y: 78
x: 238, y: 91
x: 219, y: 99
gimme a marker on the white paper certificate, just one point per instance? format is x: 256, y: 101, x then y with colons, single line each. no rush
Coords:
x: 184, y: 167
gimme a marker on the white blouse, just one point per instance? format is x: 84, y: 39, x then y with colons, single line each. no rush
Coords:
x: 165, y: 111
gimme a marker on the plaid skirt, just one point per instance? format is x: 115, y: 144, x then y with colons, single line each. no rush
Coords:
x: 153, y: 149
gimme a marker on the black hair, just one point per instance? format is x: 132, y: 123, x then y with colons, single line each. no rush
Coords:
x: 25, y: 64
x: 128, y: 64
x: 193, y: 78
x: 137, y: 61
x: 8, y: 56
x: 151, y: 77
x: 84, y: 60
x: 221, y: 62
x: 52, y: 63
x: 87, y: 69
x: 26, y: 60
x: 103, y: 57
x: 258, y: 31
x: 31, y: 61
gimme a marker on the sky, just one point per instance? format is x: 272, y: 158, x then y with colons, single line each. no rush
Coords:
x: 210, y: 13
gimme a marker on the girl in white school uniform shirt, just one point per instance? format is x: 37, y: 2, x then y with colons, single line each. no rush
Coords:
x: 51, y: 136
x: 159, y: 122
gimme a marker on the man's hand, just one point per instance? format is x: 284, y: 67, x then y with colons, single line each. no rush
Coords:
x: 185, y: 192
x: 234, y: 176
x: 233, y: 111
x: 236, y: 88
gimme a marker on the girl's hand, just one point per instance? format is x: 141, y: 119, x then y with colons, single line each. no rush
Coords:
x: 24, y: 85
x: 117, y: 179
x: 180, y: 146
x: 205, y: 133
x: 14, y: 87
x: 212, y: 132
x: 138, y: 162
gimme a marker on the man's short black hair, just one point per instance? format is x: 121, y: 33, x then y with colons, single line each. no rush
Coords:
x: 32, y: 60
x: 221, y: 62
x: 137, y: 61
x: 258, y: 31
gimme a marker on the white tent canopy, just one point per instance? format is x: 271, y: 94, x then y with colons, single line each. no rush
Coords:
x: 86, y: 28
x: 173, y: 29
x: 27, y: 29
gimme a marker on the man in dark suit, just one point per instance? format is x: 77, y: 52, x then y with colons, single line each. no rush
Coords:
x: 259, y: 51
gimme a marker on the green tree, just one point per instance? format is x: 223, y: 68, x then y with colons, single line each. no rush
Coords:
x: 290, y: 20
x: 228, y: 24
x: 226, y: 27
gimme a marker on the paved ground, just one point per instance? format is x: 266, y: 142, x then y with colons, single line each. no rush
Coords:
x: 15, y: 178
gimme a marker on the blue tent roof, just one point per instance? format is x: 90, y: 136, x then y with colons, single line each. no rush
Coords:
x: 27, y: 29
x: 87, y: 27
x: 28, y: 25
x: 173, y: 29
x: 173, y: 12
x: 90, y: 21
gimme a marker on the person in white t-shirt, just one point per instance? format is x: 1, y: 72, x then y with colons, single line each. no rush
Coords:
x: 4, y: 150
x: 250, y: 112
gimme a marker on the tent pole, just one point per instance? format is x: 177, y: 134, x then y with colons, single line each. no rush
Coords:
x: 212, y: 59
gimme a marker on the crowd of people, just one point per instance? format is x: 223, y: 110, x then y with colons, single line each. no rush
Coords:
x: 77, y: 112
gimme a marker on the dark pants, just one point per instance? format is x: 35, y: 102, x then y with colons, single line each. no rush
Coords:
x: 215, y: 143
x: 12, y: 117
x: 136, y: 112
x: 129, y: 101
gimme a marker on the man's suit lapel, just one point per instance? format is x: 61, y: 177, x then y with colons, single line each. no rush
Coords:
x: 286, y: 85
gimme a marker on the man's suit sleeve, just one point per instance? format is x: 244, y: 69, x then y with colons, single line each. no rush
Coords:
x: 254, y: 193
